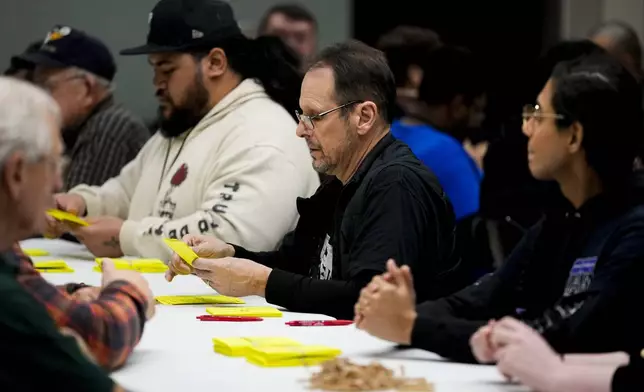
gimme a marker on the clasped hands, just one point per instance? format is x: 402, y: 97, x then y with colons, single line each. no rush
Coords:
x: 217, y: 267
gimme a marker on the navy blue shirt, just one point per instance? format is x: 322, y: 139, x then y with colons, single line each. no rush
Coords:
x: 456, y: 171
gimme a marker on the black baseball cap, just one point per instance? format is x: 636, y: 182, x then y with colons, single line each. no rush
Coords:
x: 69, y: 47
x: 185, y: 25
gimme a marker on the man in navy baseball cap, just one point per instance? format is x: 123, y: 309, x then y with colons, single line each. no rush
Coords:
x: 100, y: 135
x: 68, y: 47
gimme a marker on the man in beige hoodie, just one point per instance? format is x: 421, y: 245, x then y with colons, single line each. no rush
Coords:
x: 226, y: 160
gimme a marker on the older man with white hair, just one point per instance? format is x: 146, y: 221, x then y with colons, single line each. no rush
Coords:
x: 30, y: 156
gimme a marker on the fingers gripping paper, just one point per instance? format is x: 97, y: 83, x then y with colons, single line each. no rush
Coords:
x: 182, y: 249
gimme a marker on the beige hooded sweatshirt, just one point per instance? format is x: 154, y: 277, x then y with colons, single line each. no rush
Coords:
x: 235, y: 175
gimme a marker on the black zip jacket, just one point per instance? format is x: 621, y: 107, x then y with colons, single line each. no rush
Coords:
x: 576, y: 277
x: 392, y: 207
x: 629, y: 378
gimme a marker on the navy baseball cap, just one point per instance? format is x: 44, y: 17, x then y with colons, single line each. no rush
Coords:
x: 69, y: 47
x: 185, y: 25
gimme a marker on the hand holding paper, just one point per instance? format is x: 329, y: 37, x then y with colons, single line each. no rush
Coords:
x: 207, y: 247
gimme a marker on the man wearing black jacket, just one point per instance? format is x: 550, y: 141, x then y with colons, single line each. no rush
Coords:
x: 576, y: 276
x: 380, y: 202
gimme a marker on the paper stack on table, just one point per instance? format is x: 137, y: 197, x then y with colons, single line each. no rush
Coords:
x: 249, y: 311
x: 53, y: 266
x: 197, y: 300
x: 35, y: 252
x: 141, y: 265
x: 274, y: 351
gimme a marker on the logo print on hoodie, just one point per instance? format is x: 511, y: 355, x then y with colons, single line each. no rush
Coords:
x: 167, y: 206
x: 581, y: 275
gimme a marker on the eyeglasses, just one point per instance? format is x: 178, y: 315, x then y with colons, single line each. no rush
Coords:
x: 52, y: 83
x: 534, y: 111
x: 308, y: 120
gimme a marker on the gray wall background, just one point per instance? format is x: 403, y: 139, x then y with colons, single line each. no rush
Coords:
x: 123, y: 23
x: 579, y: 16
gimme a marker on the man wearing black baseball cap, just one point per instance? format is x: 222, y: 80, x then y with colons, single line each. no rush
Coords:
x: 101, y: 137
x: 226, y: 160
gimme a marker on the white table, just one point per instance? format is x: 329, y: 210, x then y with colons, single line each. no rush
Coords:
x: 175, y: 353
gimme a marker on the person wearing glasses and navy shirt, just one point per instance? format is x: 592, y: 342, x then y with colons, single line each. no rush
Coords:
x: 379, y: 202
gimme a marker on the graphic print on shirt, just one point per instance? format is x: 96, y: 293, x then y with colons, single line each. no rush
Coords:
x: 581, y: 275
x: 166, y: 205
x: 326, y: 260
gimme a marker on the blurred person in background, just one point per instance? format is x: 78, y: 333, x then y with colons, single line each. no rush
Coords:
x: 296, y: 26
x: 101, y: 137
x: 451, y: 95
x: 576, y: 275
x: 620, y: 40
x: 512, y: 200
x: 18, y: 67
x: 30, y: 156
x: 523, y: 355
x: 406, y: 49
x: 226, y: 160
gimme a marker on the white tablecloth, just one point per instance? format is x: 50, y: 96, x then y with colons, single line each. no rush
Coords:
x: 175, y: 353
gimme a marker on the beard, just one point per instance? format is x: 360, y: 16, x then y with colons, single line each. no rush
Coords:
x: 186, y: 116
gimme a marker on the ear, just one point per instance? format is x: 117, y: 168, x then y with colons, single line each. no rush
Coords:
x: 414, y: 76
x: 366, y: 116
x: 576, y: 137
x: 215, y: 63
x: 14, y: 174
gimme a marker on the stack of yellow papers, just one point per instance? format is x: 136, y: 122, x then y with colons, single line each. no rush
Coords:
x: 53, y: 266
x: 35, y: 252
x: 141, y: 265
x: 274, y: 356
x: 238, y: 347
x: 67, y: 217
x: 249, y: 311
x: 197, y: 300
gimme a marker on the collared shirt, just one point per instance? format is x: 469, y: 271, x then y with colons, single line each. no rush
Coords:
x: 111, y: 326
x: 101, y: 145
x: 36, y: 357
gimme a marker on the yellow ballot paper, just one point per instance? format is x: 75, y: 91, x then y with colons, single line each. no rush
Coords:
x: 275, y: 356
x: 141, y: 265
x: 238, y: 347
x: 66, y: 216
x: 250, y: 311
x: 182, y: 249
x: 197, y: 300
x: 53, y: 266
x: 35, y: 252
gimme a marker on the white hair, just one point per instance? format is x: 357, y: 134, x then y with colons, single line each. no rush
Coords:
x: 26, y: 112
x: 104, y: 83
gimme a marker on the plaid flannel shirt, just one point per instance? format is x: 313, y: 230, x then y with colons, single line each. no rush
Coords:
x: 111, y: 326
x: 102, y: 145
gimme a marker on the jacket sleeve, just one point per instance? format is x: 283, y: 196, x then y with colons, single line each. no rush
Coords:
x: 114, y: 196
x: 604, y: 317
x: 445, y: 326
x: 393, y: 223
x: 248, y: 198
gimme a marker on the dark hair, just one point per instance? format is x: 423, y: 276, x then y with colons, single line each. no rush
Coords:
x: 405, y: 46
x: 600, y: 94
x: 294, y: 12
x: 626, y: 40
x: 270, y: 62
x: 560, y: 52
x: 450, y: 71
x: 361, y: 73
